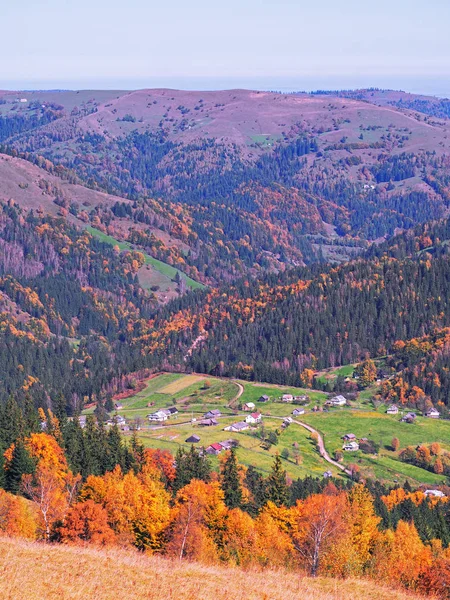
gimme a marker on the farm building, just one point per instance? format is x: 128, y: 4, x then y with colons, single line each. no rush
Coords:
x: 212, y: 414
x: 159, y: 415
x: 193, y: 439
x: 338, y: 401
x: 432, y: 413
x: 248, y: 406
x: 228, y: 444
x: 351, y: 446
x: 208, y: 422
x: 409, y: 418
x: 287, y: 398
x: 215, y: 449
x: 253, y: 418
x: 298, y: 411
x: 392, y: 410
x: 237, y: 427
x: 264, y: 398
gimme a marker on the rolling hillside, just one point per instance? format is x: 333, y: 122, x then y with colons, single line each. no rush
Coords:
x: 233, y: 182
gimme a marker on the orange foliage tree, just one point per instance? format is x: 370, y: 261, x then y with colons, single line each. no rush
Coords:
x: 86, y: 522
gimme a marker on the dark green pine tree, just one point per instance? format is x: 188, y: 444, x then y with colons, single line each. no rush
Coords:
x: 190, y: 465
x: 277, y: 489
x: 12, y: 424
x: 230, y: 482
x: 257, y: 487
x: 21, y: 464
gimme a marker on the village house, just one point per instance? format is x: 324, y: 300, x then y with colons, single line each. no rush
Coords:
x: 248, y: 406
x: 237, y: 427
x: 118, y: 406
x: 287, y: 398
x: 409, y: 418
x: 228, y: 444
x: 351, y: 446
x: 298, y: 411
x: 348, y: 437
x: 215, y: 449
x: 328, y: 474
x: 434, y: 493
x: 392, y: 410
x: 253, y: 418
x: 159, y: 416
x: 212, y: 414
x: 193, y: 439
x: 264, y: 398
x: 301, y: 399
x: 172, y: 411
x: 82, y: 421
x: 432, y: 413
x: 208, y: 422
x: 338, y: 401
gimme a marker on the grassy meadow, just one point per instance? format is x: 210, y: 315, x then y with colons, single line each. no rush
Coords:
x: 44, y: 572
x: 195, y: 394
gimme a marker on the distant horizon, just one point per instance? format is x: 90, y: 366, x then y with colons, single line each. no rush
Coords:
x: 426, y: 85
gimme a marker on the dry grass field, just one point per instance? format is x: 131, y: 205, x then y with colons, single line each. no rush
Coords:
x: 32, y: 571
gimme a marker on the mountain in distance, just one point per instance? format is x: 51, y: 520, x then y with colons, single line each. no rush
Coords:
x: 222, y: 184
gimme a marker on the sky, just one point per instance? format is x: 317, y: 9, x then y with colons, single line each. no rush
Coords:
x: 276, y: 44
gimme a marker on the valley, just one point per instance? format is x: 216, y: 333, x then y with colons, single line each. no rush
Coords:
x: 195, y: 395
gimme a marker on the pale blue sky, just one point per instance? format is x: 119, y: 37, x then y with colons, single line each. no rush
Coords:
x: 281, y: 43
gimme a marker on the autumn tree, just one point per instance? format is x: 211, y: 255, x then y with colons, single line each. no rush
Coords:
x: 17, y: 516
x: 86, y: 522
x: 198, y: 522
x: 319, y: 524
x: 367, y: 372
x: 395, y: 444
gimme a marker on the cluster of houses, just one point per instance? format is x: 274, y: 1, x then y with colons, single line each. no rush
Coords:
x: 350, y: 442
x: 288, y: 398
x: 210, y: 418
x: 252, y: 419
x: 411, y: 417
x: 219, y: 447
x: 163, y: 414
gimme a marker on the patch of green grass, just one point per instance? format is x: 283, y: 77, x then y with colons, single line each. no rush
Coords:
x: 380, y: 428
x: 253, y: 391
x: 162, y: 267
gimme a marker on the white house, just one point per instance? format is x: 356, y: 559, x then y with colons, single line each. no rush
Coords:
x: 248, y: 406
x: 159, y: 415
x: 298, y: 411
x: 237, y: 427
x: 434, y: 493
x: 351, y: 446
x: 287, y: 398
x: 432, y: 413
x: 338, y: 401
x: 253, y: 418
x: 392, y: 410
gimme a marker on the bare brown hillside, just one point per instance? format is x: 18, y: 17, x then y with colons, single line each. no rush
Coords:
x: 35, y: 571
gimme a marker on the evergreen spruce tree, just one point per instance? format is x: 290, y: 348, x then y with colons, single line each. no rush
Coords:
x: 21, y: 464
x: 230, y: 481
x: 277, y: 489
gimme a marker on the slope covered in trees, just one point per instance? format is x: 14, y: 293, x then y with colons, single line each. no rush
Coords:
x: 279, y: 328
x: 243, y: 182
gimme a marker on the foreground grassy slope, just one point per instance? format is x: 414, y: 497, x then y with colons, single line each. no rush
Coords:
x: 41, y: 572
